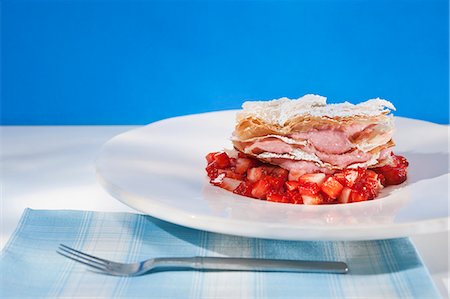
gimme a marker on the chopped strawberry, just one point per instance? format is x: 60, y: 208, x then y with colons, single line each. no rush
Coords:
x: 280, y: 173
x: 317, y: 178
x: 308, y: 188
x: 292, y: 185
x: 260, y: 189
x: 230, y: 174
x: 268, y: 169
x: 332, y: 187
x: 230, y: 184
x: 222, y: 160
x: 216, y: 181
x: 276, y: 183
x: 210, y: 157
x: 312, y: 199
x: 296, y: 198
x: 211, y: 170
x: 352, y: 175
x: 255, y: 174
x: 247, y: 176
x: 371, y: 186
x: 245, y: 189
x: 233, y: 162
x: 276, y: 197
x: 344, y: 197
x: 243, y: 164
x: 358, y: 196
x: 394, y: 173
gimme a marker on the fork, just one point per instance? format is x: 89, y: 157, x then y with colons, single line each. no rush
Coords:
x: 200, y: 263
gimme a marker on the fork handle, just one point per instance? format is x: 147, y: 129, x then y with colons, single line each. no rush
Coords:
x: 253, y: 264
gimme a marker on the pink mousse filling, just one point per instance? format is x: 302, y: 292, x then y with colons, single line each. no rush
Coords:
x: 329, y: 145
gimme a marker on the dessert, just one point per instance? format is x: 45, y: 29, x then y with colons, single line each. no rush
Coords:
x: 305, y: 151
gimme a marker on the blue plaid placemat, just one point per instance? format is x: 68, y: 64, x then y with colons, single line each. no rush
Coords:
x: 31, y: 268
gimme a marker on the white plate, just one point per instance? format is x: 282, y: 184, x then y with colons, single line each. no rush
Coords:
x: 159, y: 170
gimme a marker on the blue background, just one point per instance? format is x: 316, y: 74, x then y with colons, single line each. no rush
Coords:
x: 122, y: 62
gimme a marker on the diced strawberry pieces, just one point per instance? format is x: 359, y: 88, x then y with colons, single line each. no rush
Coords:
x: 210, y: 157
x: 370, y: 174
x: 351, y: 176
x: 312, y: 199
x: 344, y: 197
x: 245, y: 189
x: 357, y: 196
x: 371, y: 187
x: 292, y: 185
x: 211, y: 170
x: 280, y: 173
x: 276, y: 183
x: 230, y: 174
x: 332, y: 187
x: 222, y: 160
x: 247, y: 176
x: 230, y: 184
x: 243, y: 164
x: 276, y: 197
x: 399, y: 161
x: 308, y: 188
x: 296, y: 198
x: 233, y: 162
x: 317, y: 178
x: 260, y: 189
x: 255, y: 174
x: 394, y: 173
x: 268, y: 169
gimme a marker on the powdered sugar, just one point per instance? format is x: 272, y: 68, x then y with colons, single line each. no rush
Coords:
x: 281, y: 110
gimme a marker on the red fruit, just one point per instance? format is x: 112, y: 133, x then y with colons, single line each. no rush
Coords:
x: 210, y: 157
x: 351, y: 176
x: 211, y: 170
x: 276, y: 197
x: 356, y: 196
x: 371, y: 184
x: 233, y: 162
x: 280, y: 173
x: 394, y: 173
x: 308, y: 188
x: 245, y: 189
x: 400, y: 160
x: 276, y: 183
x: 255, y: 174
x: 312, y: 199
x: 230, y: 184
x: 230, y: 174
x: 268, y: 169
x: 260, y: 189
x: 344, y: 197
x: 296, y: 198
x: 222, y: 160
x: 332, y: 187
x: 243, y: 164
x: 317, y: 178
x: 292, y: 185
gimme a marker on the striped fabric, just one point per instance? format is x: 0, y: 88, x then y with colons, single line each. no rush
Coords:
x: 31, y: 268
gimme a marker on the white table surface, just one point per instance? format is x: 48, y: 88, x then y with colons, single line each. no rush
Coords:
x: 53, y: 167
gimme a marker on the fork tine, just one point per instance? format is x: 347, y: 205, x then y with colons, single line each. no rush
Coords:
x: 79, y: 260
x: 85, y: 255
x: 78, y: 255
